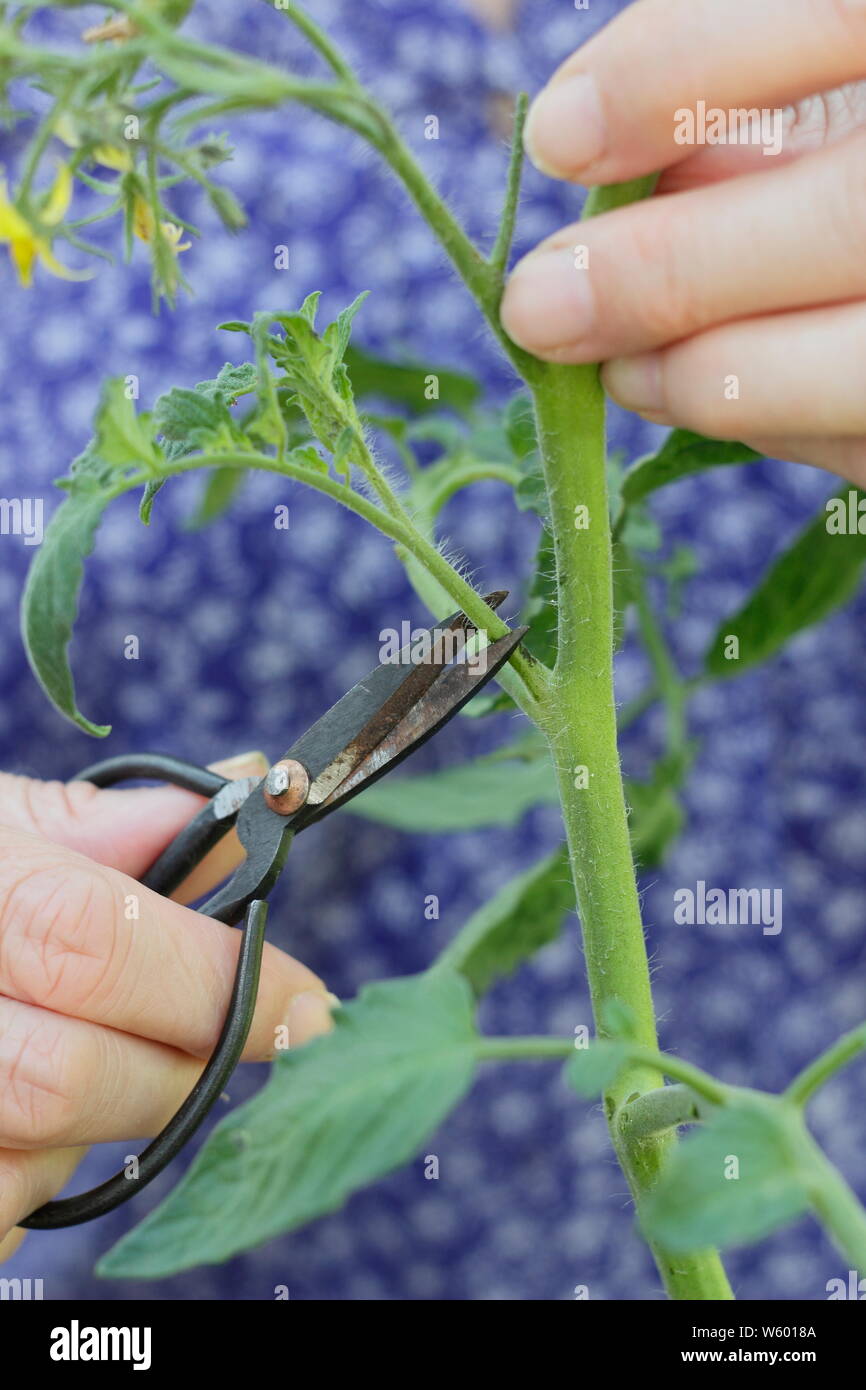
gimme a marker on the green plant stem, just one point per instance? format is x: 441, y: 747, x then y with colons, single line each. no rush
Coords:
x: 319, y: 40
x: 607, y: 197
x: 680, y: 1070
x: 579, y: 717
x: 656, y: 1111
x: 837, y: 1207
x: 505, y: 235
x: 580, y: 724
x: 398, y: 528
x: 477, y: 473
x: 804, y: 1086
x: 467, y: 259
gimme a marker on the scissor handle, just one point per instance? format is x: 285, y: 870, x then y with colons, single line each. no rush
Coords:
x: 85, y: 1206
x: 159, y: 766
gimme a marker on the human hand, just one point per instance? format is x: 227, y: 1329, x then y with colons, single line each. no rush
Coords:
x: 106, y: 1022
x: 732, y: 302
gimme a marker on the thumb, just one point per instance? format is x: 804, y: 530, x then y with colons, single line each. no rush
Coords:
x: 123, y: 829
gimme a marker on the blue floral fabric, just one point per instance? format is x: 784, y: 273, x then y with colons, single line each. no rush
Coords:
x: 247, y: 633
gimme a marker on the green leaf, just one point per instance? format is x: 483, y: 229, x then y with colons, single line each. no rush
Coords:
x: 226, y: 206
x: 308, y: 456
x: 338, y: 333
x: 524, y: 915
x: 641, y: 531
x: 269, y: 424
x: 540, y: 612
x: 466, y: 797
x: 520, y: 426
x: 619, y: 1019
x: 482, y: 705
x: 698, y: 1202
x: 335, y: 1115
x: 148, y: 497
x: 592, y: 1069
x: 232, y: 381
x: 818, y: 573
x: 123, y: 438
x: 530, y: 494
x: 190, y: 417
x: 681, y: 454
x: 342, y: 459
x: 655, y: 821
x: 50, y: 601
x: 407, y: 383
x: 220, y: 490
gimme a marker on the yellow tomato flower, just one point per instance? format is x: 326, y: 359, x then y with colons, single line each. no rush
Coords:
x: 29, y: 243
x: 144, y: 224
x: 109, y: 155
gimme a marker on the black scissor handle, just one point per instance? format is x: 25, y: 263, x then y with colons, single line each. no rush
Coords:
x: 71, y: 1211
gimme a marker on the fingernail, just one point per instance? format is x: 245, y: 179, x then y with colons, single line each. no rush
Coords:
x: 548, y: 302
x: 309, y: 1017
x: 636, y: 382
x: 242, y: 765
x: 565, y: 130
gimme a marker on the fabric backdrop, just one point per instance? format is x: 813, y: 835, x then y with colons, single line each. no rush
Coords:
x: 247, y: 634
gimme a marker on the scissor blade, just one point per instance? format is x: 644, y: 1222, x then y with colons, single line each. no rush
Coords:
x: 377, y: 724
x: 447, y: 694
x: 366, y: 715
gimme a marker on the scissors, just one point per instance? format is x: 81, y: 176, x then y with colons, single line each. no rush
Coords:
x: 381, y: 720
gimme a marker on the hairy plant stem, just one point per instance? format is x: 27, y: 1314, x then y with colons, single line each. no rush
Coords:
x: 657, y: 1111
x: 579, y: 718
x: 399, y: 528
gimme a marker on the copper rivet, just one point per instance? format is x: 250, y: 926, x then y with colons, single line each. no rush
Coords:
x: 287, y: 787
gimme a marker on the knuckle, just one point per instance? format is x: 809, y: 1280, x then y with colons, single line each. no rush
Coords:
x: 59, y: 936
x: 50, y: 809
x: 39, y: 1080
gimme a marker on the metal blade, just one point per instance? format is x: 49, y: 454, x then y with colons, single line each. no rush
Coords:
x: 448, y: 694
x: 395, y: 709
x: 357, y: 723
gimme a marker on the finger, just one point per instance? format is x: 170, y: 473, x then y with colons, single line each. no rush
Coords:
x: 26, y: 1181
x: 611, y: 110
x: 846, y: 458
x: 815, y: 123
x: 126, y: 830
x: 63, y: 1081
x: 791, y: 374
x: 89, y: 942
x: 667, y: 268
